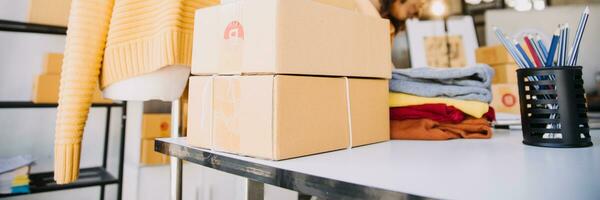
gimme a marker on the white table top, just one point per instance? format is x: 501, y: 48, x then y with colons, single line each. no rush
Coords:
x: 498, y: 168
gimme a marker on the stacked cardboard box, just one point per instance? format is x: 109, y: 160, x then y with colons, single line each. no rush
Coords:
x: 504, y: 88
x: 46, y: 85
x: 282, y: 79
x: 55, y: 12
x: 154, y: 126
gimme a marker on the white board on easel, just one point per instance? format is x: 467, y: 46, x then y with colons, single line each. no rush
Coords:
x: 459, y: 25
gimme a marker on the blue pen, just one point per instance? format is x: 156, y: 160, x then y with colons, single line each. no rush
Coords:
x: 552, y: 52
x: 542, y: 47
x: 525, y: 57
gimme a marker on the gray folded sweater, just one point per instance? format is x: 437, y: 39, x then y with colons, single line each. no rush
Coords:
x: 467, y: 83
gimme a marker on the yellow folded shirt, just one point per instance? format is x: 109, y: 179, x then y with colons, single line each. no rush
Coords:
x: 473, y: 108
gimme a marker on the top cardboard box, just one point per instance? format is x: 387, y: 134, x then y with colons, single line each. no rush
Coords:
x: 301, y: 37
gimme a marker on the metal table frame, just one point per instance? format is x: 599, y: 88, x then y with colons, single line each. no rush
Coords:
x: 257, y: 175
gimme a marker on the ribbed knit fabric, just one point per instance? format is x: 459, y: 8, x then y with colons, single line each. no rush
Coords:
x: 121, y: 39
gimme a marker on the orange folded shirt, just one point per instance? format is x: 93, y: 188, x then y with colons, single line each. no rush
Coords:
x: 427, y: 129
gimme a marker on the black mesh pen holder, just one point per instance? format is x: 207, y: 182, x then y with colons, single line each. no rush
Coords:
x: 553, y: 107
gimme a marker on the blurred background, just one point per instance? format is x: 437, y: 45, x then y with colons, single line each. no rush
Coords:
x: 32, y: 39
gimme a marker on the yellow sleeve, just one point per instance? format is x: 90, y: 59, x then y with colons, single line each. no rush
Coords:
x: 86, y: 39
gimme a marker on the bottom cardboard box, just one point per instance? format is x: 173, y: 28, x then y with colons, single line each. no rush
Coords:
x: 506, y: 98
x: 282, y: 116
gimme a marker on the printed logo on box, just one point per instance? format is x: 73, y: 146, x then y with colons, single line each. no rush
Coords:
x: 509, y: 100
x: 234, y: 30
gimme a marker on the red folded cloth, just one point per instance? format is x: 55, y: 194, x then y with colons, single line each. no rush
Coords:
x: 437, y: 112
x: 490, y: 115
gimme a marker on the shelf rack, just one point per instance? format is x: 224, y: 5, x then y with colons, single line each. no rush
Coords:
x: 14, y: 26
x: 88, y: 177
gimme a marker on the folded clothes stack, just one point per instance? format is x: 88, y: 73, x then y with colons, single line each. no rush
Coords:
x: 441, y: 103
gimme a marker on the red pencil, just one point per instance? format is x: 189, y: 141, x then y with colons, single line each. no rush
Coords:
x: 536, y: 59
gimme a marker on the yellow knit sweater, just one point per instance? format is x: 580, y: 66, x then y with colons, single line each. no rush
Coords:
x: 109, y: 41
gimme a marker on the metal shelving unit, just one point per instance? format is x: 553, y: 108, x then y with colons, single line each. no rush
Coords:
x: 13, y: 26
x: 88, y: 177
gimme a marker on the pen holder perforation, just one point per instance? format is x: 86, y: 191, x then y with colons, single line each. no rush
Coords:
x: 553, y: 107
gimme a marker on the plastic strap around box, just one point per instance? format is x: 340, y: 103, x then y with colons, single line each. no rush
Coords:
x: 208, y: 90
x: 349, y: 111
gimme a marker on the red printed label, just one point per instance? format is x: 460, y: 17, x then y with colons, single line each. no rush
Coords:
x: 234, y: 30
x: 509, y: 100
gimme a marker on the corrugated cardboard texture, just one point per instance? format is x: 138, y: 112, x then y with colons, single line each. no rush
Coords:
x: 45, y: 89
x: 311, y: 115
x: 149, y: 157
x: 506, y: 98
x: 282, y: 116
x: 156, y: 126
x: 243, y: 115
x: 290, y: 37
x: 493, y: 55
x: 200, y: 111
x: 52, y: 63
x: 51, y: 12
x: 370, y: 111
x: 505, y: 73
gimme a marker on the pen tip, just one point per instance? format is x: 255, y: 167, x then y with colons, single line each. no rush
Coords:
x: 566, y: 25
x: 587, y: 10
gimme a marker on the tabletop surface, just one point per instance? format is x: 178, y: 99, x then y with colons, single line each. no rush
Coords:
x: 498, y: 168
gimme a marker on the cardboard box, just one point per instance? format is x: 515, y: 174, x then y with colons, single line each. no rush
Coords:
x: 53, y: 12
x: 52, y: 63
x: 300, y: 37
x: 45, y: 90
x: 493, y: 55
x: 506, y: 98
x: 149, y: 157
x: 505, y: 73
x: 156, y: 126
x: 281, y: 116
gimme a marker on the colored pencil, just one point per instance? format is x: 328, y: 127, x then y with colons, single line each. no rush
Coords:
x: 578, y: 36
x: 552, y: 50
x: 561, y: 47
x: 542, y: 51
x: 525, y: 57
x: 538, y: 50
x: 507, y: 45
x: 532, y: 51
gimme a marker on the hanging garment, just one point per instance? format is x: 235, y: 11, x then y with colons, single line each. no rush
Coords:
x: 109, y: 41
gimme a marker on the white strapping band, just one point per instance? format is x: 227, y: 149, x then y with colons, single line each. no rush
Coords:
x: 349, y: 112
